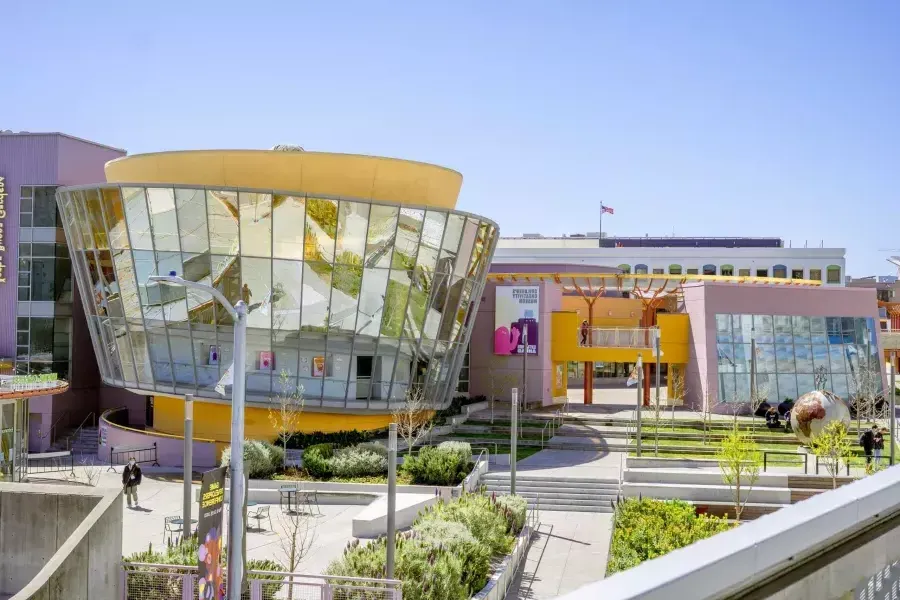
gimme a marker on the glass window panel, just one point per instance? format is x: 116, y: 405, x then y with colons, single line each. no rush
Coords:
x: 406, y: 244
x: 180, y: 348
x: 353, y: 220
x: 836, y: 359
x: 727, y: 388
x: 114, y: 216
x: 744, y: 272
x: 783, y: 330
x: 815, y: 274
x: 372, y: 301
x: 709, y: 269
x: 479, y: 252
x: 840, y: 386
x: 453, y: 305
x: 158, y: 346
x: 138, y: 219
x: 742, y: 355
x: 227, y: 279
x: 256, y: 224
x: 144, y: 267
x: 383, y: 365
x: 784, y: 356
x: 466, y: 247
x: 43, y: 279
x: 418, y: 303
x: 63, y: 280
x: 119, y: 351
x: 833, y: 325
x: 381, y: 234
x: 432, y: 236
x: 161, y: 203
x: 465, y: 313
x: 95, y: 217
x: 287, y: 294
x: 43, y: 250
x: 26, y: 191
x: 742, y: 387
x: 142, y: 358
x: 83, y: 227
x: 725, y: 352
x: 787, y: 387
x: 804, y: 358
x: 801, y: 327
x: 779, y: 271
x: 315, y: 297
x: 743, y: 328
x: 394, y: 312
x: 321, y: 229
x: 127, y: 286
x: 190, y: 206
x: 256, y: 289
x: 723, y: 328
x: 818, y: 330
x: 805, y: 383
x: 765, y: 329
x: 41, y: 346
x: 288, y: 219
x: 259, y: 354
x: 222, y: 215
x: 44, y: 207
x: 833, y: 274
x: 820, y: 357
x: 765, y: 358
x: 452, y: 236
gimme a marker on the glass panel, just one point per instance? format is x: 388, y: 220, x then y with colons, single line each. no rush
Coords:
x: 783, y: 331
x: 192, y: 230
x: 95, y: 217
x: 820, y: 357
x: 44, y: 206
x: 418, y: 302
x: 787, y: 387
x: 41, y: 346
x: 83, y: 223
x: 454, y: 295
x: 381, y: 235
x: 840, y: 386
x: 221, y: 208
x: 466, y: 245
x: 321, y: 229
x: 42, y: 279
x: 141, y: 354
x: 742, y: 355
x: 372, y: 301
x: 432, y: 236
x: 161, y: 202
x: 227, y: 279
x: 353, y: 219
x: 383, y: 368
x: 765, y: 332
x: 159, y: 353
x: 406, y: 245
x: 346, y: 282
x: 725, y: 353
x: 743, y: 328
x: 727, y: 391
x: 394, y: 312
x: 709, y: 269
x: 135, y: 200
x: 779, y: 271
x: 465, y: 313
x: 260, y: 363
x: 114, y: 215
x: 316, y: 295
x: 742, y: 387
x: 256, y: 291
x: 723, y: 328
x: 801, y: 326
x: 288, y: 218
x: 818, y: 330
x: 256, y: 224
x: 287, y: 294
x: 804, y: 358
x: 202, y: 318
x: 765, y: 358
x: 784, y: 356
x: 805, y: 383
x: 836, y: 359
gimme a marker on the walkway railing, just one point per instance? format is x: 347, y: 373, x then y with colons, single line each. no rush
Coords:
x: 145, y: 581
x: 617, y: 337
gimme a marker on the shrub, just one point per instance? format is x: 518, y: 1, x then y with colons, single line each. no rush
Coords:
x: 458, y: 540
x: 374, y: 447
x: 436, y: 466
x: 357, y: 462
x: 463, y: 448
x: 480, y: 515
x: 514, y: 508
x: 427, y: 572
x: 261, y: 459
x: 316, y: 461
x: 646, y: 529
x: 338, y: 439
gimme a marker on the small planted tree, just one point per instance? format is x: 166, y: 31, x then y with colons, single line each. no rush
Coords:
x: 501, y: 380
x: 832, y: 446
x: 412, y: 417
x: 296, y: 540
x: 739, y: 460
x: 285, y: 415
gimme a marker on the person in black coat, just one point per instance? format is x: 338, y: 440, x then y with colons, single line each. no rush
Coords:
x: 131, y: 479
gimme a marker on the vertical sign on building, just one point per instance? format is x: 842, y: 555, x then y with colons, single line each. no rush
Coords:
x: 211, y: 575
x: 3, y: 261
x: 516, y: 310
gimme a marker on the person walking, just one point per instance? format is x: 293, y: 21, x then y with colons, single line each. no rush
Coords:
x: 867, y: 441
x: 584, y: 332
x: 131, y: 479
x: 878, y: 445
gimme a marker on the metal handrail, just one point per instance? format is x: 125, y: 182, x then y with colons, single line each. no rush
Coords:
x: 766, y: 454
x: 55, y: 425
x: 93, y: 417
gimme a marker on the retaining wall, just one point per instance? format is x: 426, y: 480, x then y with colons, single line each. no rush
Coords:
x: 170, y: 449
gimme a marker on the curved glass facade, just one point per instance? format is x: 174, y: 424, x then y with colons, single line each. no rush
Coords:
x: 355, y: 300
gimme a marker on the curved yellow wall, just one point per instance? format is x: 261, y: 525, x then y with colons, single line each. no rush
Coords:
x: 367, y: 177
x: 213, y: 421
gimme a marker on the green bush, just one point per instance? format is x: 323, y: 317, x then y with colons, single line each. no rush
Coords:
x: 514, y: 508
x: 316, y: 461
x: 480, y: 515
x: 338, y: 439
x: 646, y: 529
x: 462, y: 448
x: 436, y: 466
x: 358, y: 461
x: 458, y: 540
x: 261, y: 459
x: 428, y: 572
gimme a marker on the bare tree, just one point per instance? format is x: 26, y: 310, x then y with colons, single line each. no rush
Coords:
x: 739, y: 459
x: 285, y: 416
x: 295, y: 541
x: 679, y: 390
x: 758, y: 396
x: 833, y: 447
x: 91, y: 470
x: 866, y: 391
x: 412, y: 417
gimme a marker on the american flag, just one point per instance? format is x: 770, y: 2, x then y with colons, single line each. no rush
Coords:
x: 606, y: 209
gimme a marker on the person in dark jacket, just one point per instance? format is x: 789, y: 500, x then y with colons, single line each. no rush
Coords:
x: 867, y: 441
x: 878, y: 444
x: 585, y: 329
x: 772, y: 418
x: 131, y: 479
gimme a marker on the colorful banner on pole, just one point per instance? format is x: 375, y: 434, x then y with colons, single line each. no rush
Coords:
x: 516, y: 313
x: 211, y: 575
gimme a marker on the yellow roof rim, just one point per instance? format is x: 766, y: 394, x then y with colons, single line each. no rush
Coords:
x: 618, y: 278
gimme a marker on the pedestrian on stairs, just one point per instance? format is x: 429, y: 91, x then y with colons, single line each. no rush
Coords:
x: 131, y: 479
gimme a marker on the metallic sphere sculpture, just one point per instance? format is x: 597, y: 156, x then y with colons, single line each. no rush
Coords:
x: 813, y: 410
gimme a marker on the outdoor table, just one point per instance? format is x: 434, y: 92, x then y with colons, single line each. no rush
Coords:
x: 289, y: 493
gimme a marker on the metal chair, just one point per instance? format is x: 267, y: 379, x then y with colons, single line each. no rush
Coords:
x: 261, y: 512
x: 288, y: 494
x: 170, y: 526
x: 310, y: 498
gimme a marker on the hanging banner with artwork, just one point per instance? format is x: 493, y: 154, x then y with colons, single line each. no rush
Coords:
x: 210, y: 574
x: 516, y: 313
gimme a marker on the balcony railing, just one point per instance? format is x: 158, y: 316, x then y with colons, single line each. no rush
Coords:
x: 890, y: 340
x: 616, y: 337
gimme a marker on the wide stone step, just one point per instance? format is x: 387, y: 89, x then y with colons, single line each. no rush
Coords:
x: 555, y: 481
x: 551, y: 496
x: 573, y: 505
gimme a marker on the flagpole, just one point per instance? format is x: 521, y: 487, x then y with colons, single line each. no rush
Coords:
x: 601, y: 226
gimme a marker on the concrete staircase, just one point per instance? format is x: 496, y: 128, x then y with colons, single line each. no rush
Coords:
x: 557, y: 493
x: 80, y: 442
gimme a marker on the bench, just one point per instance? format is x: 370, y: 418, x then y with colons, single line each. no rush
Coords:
x: 119, y: 455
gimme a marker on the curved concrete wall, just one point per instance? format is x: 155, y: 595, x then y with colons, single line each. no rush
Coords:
x: 170, y: 450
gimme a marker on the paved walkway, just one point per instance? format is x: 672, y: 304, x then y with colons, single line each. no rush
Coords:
x: 572, y: 463
x: 569, y: 551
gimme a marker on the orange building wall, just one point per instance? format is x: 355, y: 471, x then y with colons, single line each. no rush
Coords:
x: 608, y: 312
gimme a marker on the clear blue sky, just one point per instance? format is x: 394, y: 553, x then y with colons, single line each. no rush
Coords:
x: 708, y: 118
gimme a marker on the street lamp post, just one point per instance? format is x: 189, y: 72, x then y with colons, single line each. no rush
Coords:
x: 188, y: 466
x: 238, y: 312
x: 639, y: 368
x: 513, y: 442
x: 391, y: 499
x: 893, y: 407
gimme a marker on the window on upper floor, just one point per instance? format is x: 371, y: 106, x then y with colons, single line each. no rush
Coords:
x: 693, y: 271
x: 640, y: 269
x: 796, y: 273
x: 815, y: 274
x: 779, y: 271
x: 674, y: 269
x: 659, y: 271
x: 726, y: 270
x: 709, y: 269
x: 833, y: 274
x: 762, y: 272
x: 626, y: 269
x: 744, y: 272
